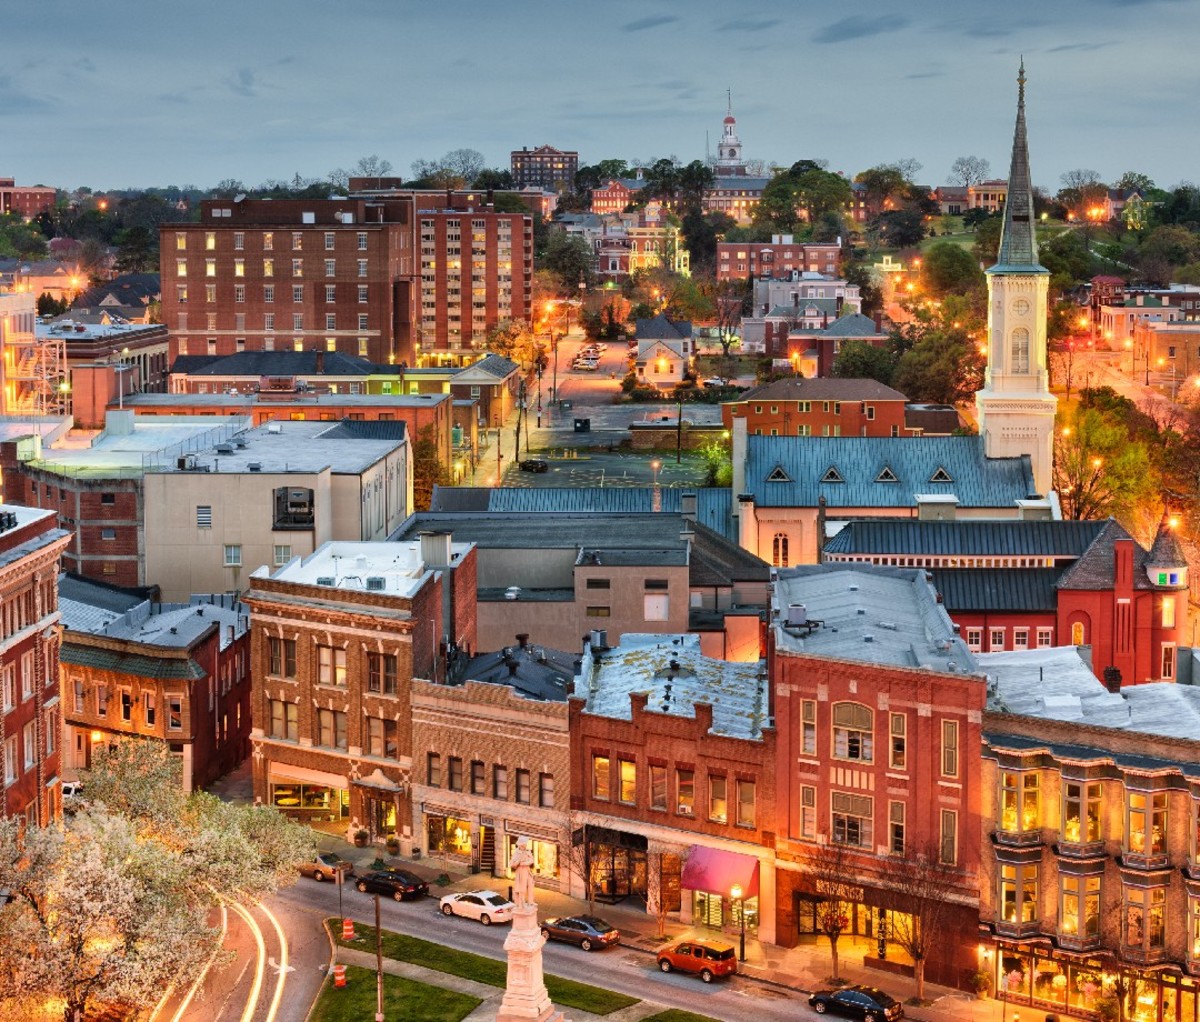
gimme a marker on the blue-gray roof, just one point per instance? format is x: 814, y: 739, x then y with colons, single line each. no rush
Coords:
x: 797, y: 466
x: 1020, y: 590
x: 1065, y: 539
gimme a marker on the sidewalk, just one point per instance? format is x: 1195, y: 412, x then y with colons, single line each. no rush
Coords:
x: 801, y: 968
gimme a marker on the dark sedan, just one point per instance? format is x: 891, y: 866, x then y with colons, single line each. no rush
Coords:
x: 586, y: 931
x: 398, y: 883
x: 867, y: 1003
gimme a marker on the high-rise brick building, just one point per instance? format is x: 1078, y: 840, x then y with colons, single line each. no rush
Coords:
x: 544, y: 167
x: 401, y: 277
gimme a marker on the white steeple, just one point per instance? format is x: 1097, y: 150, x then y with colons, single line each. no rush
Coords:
x: 729, y: 149
x: 1015, y: 407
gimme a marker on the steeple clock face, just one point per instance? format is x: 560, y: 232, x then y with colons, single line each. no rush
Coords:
x: 1021, y: 307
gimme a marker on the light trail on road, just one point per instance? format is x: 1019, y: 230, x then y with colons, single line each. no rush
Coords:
x: 260, y: 965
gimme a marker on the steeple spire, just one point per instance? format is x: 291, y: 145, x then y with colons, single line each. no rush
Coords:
x: 729, y: 101
x: 1018, y: 240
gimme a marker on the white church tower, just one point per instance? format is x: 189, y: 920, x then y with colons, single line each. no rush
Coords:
x: 729, y: 161
x: 1015, y: 407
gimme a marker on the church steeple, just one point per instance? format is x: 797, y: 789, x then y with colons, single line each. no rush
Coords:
x: 1018, y: 240
x: 729, y: 161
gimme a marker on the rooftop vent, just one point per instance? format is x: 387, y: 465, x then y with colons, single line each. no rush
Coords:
x: 255, y: 466
x: 868, y: 637
x: 326, y: 580
x: 224, y: 448
x: 512, y: 592
x: 376, y: 583
x: 797, y: 614
x: 274, y: 427
x: 239, y: 442
x: 891, y: 626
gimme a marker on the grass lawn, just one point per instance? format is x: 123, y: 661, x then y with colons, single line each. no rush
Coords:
x: 404, y: 1000
x: 678, y: 1015
x: 564, y: 992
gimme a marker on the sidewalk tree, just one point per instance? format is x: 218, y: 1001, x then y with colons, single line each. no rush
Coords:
x: 834, y: 878
x: 578, y: 857
x: 921, y: 891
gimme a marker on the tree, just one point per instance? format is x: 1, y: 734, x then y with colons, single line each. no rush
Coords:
x: 48, y: 305
x: 693, y: 180
x: 1100, y: 469
x: 901, y: 228
x: 428, y: 469
x: 569, y: 257
x: 947, y: 268
x: 137, y: 251
x: 834, y: 877
x: 493, y: 178
x: 882, y: 183
x: 464, y: 163
x: 861, y: 360
x: 921, y: 894
x: 1080, y: 191
x: 730, y: 299
x: 701, y: 232
x: 1135, y: 181
x: 371, y: 166
x: 987, y: 239
x: 969, y: 170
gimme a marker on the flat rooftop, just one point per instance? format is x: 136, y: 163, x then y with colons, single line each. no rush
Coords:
x: 878, y: 615
x: 675, y: 675
x: 266, y: 399
x: 389, y: 568
x: 175, y: 625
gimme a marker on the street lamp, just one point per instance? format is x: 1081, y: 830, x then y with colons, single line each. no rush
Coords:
x: 735, y: 894
x: 120, y: 369
x: 656, y: 465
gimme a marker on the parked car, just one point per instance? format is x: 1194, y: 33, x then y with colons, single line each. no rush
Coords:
x: 72, y: 789
x: 535, y: 465
x: 400, y: 884
x: 715, y: 381
x: 326, y: 866
x: 585, y: 365
x: 868, y: 1003
x: 486, y: 906
x: 707, y: 959
x: 586, y: 931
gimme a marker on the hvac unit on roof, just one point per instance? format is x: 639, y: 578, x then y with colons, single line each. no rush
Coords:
x: 224, y: 448
x: 326, y: 580
x: 376, y: 582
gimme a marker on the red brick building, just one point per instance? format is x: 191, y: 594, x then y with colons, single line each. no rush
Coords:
x: 877, y: 704
x: 818, y: 407
x: 782, y: 255
x: 616, y: 194
x: 544, y: 167
x: 24, y: 200
x: 172, y: 673
x: 30, y: 714
x: 392, y: 278
x: 336, y: 640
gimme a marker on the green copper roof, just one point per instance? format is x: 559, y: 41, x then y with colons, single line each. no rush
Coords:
x: 1018, y: 240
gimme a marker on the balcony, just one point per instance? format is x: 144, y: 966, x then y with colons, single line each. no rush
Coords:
x: 1079, y: 941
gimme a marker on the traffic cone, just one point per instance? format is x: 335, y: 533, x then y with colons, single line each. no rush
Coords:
x: 339, y: 975
x: 348, y: 930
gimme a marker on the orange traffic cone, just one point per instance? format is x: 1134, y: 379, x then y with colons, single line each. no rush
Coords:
x: 348, y: 930
x: 339, y: 975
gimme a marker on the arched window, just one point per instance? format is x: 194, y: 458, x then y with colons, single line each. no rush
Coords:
x: 853, y: 732
x: 779, y: 550
x: 1077, y: 638
x: 1020, y: 350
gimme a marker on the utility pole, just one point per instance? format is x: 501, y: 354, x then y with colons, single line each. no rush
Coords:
x: 679, y: 429
x: 378, y: 965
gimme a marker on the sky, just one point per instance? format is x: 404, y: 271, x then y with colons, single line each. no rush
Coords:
x: 134, y: 93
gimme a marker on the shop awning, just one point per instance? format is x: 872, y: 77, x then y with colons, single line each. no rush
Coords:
x: 380, y: 781
x: 716, y: 871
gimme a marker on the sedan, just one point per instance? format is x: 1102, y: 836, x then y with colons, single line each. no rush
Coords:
x: 486, y: 906
x: 399, y: 883
x: 326, y: 866
x: 867, y: 1003
x: 586, y: 931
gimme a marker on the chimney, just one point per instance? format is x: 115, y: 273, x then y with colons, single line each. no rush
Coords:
x: 522, y: 639
x: 1112, y: 679
x: 687, y: 506
x: 512, y: 666
x: 435, y: 548
x: 320, y: 361
x: 879, y: 322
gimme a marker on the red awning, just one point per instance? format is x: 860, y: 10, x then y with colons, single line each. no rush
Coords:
x: 716, y: 871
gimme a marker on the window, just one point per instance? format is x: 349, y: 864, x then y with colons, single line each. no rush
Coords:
x: 362, y: 241
x: 523, y: 787
x: 1145, y: 909
x: 363, y: 322
x: 181, y: 294
x: 808, y: 733
x: 281, y: 656
x: 269, y: 271
x: 210, y: 267
x: 27, y: 677
x: 1020, y: 350
x: 362, y: 294
x: 975, y: 640
x: 655, y: 606
x: 718, y: 802
x: 454, y: 773
x: 852, y: 738
x: 1079, y: 906
x: 239, y: 292
x: 1019, y: 802
x: 331, y: 666
x: 331, y: 729
x: 329, y: 241
x: 546, y: 791
x: 382, y: 672
x: 1020, y: 638
x: 330, y: 296
x: 1168, y: 612
x: 298, y: 293
x: 10, y: 760
x: 779, y: 550
x: 500, y: 782
x: 745, y: 803
x: 628, y: 778
x: 381, y: 737
x: 896, y: 827
x: 210, y: 240
x: 1081, y: 811
x: 596, y: 583
x: 808, y: 811
x: 283, y: 554
x: 283, y: 720
x: 1045, y: 638
x: 948, y: 847
x: 181, y: 241
x: 297, y: 267
x: 433, y: 770
x: 1018, y: 893
x: 29, y: 743
x: 174, y: 713
x: 898, y: 753
x: 76, y: 687
x: 601, y: 778
x: 949, y: 748
x: 268, y: 239
x: 362, y: 267
x: 101, y: 700
x: 210, y: 293
x: 108, y: 533
x: 52, y: 725
x: 996, y: 637
x: 126, y: 705
x: 1146, y: 823
x: 869, y: 411
x: 597, y: 612
x: 233, y: 555
x: 685, y: 789
x: 1168, y: 662
x: 239, y: 267
x: 852, y: 819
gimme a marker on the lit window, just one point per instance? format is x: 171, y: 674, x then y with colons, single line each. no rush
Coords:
x: 685, y: 789
x: 852, y: 816
x: 601, y: 778
x: 718, y: 802
x: 331, y: 666
x: 1018, y: 893
x: 1020, y: 802
x: 852, y: 732
x: 1081, y: 812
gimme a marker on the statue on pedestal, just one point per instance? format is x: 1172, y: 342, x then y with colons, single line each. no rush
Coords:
x: 525, y: 997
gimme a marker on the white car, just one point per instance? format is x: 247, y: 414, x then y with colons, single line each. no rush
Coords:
x: 486, y: 906
x: 715, y: 381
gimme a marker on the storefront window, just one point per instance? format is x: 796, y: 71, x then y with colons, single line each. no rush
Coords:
x: 545, y: 857
x: 1146, y: 819
x: 1019, y: 801
x: 315, y: 801
x: 1194, y: 928
x: 1049, y: 982
x: 1081, y: 812
x: 449, y: 835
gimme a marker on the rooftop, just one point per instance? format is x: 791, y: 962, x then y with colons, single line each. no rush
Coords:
x: 887, y: 616
x: 249, y: 401
x: 825, y: 388
x: 391, y: 568
x: 536, y: 672
x: 94, y: 610
x: 675, y: 675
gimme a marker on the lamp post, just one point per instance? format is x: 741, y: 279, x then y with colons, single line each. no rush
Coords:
x: 736, y: 894
x: 120, y: 369
x: 655, y: 465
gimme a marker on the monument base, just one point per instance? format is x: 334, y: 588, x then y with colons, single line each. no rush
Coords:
x: 525, y: 996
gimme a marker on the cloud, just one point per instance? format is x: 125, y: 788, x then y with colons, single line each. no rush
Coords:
x: 1081, y: 47
x: 244, y: 82
x: 654, y: 21
x: 180, y: 97
x: 14, y: 101
x: 748, y: 25
x: 85, y: 64
x: 859, y: 28
x: 926, y: 74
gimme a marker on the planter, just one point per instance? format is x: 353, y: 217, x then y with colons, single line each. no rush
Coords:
x: 361, y: 837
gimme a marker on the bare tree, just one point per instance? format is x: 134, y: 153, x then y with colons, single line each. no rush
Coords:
x: 372, y: 166
x: 662, y: 898
x: 835, y: 880
x: 578, y: 859
x: 969, y: 170
x: 921, y: 894
x: 465, y: 163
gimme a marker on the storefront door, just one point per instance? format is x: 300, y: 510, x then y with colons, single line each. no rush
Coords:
x: 708, y: 909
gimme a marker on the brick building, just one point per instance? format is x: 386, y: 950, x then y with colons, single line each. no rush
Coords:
x: 673, y: 781
x: 30, y: 710
x: 781, y: 256
x: 136, y: 670
x: 544, y: 167
x: 397, y: 277
x: 616, y: 194
x: 818, y: 407
x: 877, y: 704
x: 24, y: 200
x: 336, y: 641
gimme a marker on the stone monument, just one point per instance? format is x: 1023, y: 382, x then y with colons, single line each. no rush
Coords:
x: 525, y: 995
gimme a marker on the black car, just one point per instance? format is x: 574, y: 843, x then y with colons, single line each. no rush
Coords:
x: 867, y: 1003
x: 399, y: 883
x: 535, y: 465
x: 586, y: 931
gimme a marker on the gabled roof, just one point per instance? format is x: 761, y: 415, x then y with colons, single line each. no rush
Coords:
x: 978, y: 481
x: 275, y: 363
x: 823, y: 388
x: 1095, y: 568
x: 717, y: 561
x: 785, y: 311
x: 663, y: 328
x: 908, y: 537
x: 127, y: 289
x: 496, y: 366
x: 853, y: 324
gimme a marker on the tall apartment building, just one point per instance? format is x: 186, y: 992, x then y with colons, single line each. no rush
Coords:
x: 544, y: 167
x: 30, y: 721
x: 24, y: 200
x: 394, y: 277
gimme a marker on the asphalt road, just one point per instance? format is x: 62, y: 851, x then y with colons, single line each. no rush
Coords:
x: 302, y: 907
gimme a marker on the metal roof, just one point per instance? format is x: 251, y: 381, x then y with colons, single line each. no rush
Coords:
x: 997, y: 589
x: 1057, y: 539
